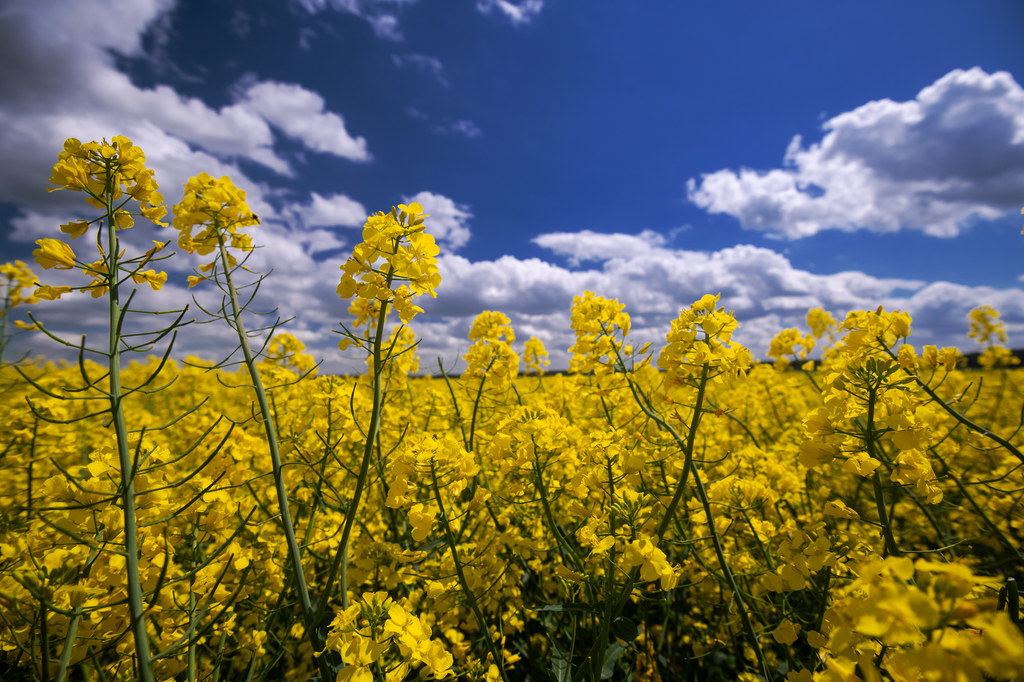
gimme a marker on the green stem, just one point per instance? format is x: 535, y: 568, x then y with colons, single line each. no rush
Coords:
x: 340, y: 561
x: 470, y: 597
x: 270, y: 430
x: 69, y: 640
x: 136, y: 607
x: 876, y: 481
x: 3, y: 323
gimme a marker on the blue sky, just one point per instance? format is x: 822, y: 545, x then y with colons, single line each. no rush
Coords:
x: 787, y: 155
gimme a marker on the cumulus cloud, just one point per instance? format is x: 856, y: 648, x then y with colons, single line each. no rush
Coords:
x: 336, y: 209
x: 299, y: 113
x: 762, y: 286
x: 590, y: 246
x: 63, y: 82
x: 952, y: 155
x: 449, y: 221
x: 521, y: 12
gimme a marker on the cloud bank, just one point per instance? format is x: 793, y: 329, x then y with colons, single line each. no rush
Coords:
x: 952, y: 155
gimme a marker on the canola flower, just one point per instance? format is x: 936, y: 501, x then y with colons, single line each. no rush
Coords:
x: 15, y: 278
x: 648, y: 516
x: 112, y: 176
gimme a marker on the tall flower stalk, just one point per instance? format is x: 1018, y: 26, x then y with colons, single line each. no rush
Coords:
x: 395, y: 263
x: 208, y: 219
x: 112, y: 175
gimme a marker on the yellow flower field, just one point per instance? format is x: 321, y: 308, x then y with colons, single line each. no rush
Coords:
x: 679, y: 514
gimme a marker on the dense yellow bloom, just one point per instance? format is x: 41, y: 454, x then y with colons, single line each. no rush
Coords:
x: 505, y: 521
x: 491, y: 354
x: 395, y: 262
x: 702, y: 337
x: 212, y: 210
x: 119, y: 165
x: 785, y: 343
x: 601, y: 327
x: 535, y: 355
x: 14, y: 277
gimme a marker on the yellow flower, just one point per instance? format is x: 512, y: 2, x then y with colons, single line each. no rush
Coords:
x: 152, y: 278
x: 53, y: 253
x: 838, y: 509
x: 215, y: 208
x: 422, y: 521
x: 117, y: 166
x: 13, y: 278
x: 653, y: 563
x: 76, y: 228
x: 785, y: 633
x: 48, y: 293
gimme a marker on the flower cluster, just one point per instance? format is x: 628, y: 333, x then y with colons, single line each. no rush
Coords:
x: 872, y: 413
x: 535, y: 356
x: 208, y: 216
x: 15, y: 277
x: 919, y: 620
x: 701, y: 340
x: 988, y: 329
x: 395, y: 262
x: 112, y: 171
x: 491, y: 352
x: 786, y: 343
x: 377, y: 633
x: 110, y: 174
x: 718, y: 519
x: 601, y: 326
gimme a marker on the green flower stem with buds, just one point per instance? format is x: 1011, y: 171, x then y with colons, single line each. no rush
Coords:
x: 977, y: 428
x: 136, y: 606
x: 270, y: 429
x: 340, y: 562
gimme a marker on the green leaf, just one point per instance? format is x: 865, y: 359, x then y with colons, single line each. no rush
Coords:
x: 611, y: 657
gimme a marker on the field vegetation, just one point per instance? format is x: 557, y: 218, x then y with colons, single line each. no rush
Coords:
x: 685, y: 514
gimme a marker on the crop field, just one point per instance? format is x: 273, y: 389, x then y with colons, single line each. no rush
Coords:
x: 683, y: 513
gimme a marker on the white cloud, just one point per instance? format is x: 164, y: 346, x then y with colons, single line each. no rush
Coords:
x: 521, y: 12
x: 382, y: 15
x: 422, y: 63
x: 336, y: 209
x: 61, y: 81
x: 464, y: 127
x: 449, y: 221
x: 591, y: 246
x: 764, y: 289
x: 952, y: 155
x: 300, y: 114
